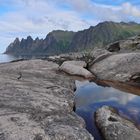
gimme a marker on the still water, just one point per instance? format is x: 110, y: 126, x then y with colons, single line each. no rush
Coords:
x: 6, y: 58
x: 90, y: 96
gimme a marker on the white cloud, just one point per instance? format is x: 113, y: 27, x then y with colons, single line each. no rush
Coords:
x: 38, y: 17
x: 106, y: 12
x: 131, y: 10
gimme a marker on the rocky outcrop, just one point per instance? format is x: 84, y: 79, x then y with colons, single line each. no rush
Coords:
x: 76, y: 68
x: 127, y: 45
x: 117, y: 67
x: 115, y: 47
x: 100, y: 57
x: 114, y: 127
x: 36, y: 103
x: 99, y: 51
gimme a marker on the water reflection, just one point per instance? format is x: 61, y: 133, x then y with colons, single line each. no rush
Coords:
x: 89, y: 97
x: 85, y: 94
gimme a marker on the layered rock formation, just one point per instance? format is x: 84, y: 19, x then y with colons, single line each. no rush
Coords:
x: 36, y: 103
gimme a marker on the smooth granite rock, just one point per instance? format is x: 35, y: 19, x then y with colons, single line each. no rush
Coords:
x: 100, y: 58
x: 76, y: 68
x: 118, y: 67
x: 77, y: 63
x: 114, y: 127
x: 36, y: 103
x: 96, y: 52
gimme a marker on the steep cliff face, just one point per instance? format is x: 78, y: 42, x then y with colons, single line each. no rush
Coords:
x: 102, y: 34
x: 57, y: 42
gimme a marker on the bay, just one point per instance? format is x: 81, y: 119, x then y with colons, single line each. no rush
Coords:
x: 6, y: 58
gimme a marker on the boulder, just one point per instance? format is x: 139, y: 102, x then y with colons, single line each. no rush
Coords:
x: 114, y: 127
x: 76, y: 68
x: 114, y: 47
x: 36, y: 103
x: 76, y: 63
x: 100, y: 58
x: 118, y: 67
x: 98, y: 52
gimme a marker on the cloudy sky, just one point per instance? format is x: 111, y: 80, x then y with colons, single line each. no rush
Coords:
x: 20, y: 18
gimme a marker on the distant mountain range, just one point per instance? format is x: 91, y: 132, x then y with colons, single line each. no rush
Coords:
x: 57, y: 42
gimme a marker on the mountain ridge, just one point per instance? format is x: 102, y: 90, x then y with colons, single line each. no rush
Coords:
x: 59, y: 41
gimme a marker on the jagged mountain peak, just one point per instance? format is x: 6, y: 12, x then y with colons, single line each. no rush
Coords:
x: 29, y: 38
x: 16, y: 40
x: 59, y: 41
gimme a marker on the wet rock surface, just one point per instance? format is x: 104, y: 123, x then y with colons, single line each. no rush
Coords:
x: 36, y: 103
x: 117, y: 67
x: 114, y: 127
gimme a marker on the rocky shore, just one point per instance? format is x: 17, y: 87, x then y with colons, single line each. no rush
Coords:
x: 36, y: 103
x: 120, y: 70
x: 118, y: 67
x: 114, y: 127
x: 37, y: 96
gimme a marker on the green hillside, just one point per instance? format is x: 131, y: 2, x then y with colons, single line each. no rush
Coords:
x: 102, y: 34
x: 57, y: 42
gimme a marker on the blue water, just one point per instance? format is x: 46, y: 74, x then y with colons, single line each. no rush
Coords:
x: 6, y: 58
x: 89, y: 97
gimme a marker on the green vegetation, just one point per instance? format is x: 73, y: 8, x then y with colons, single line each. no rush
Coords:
x: 103, y: 34
x: 60, y: 35
x: 58, y: 41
